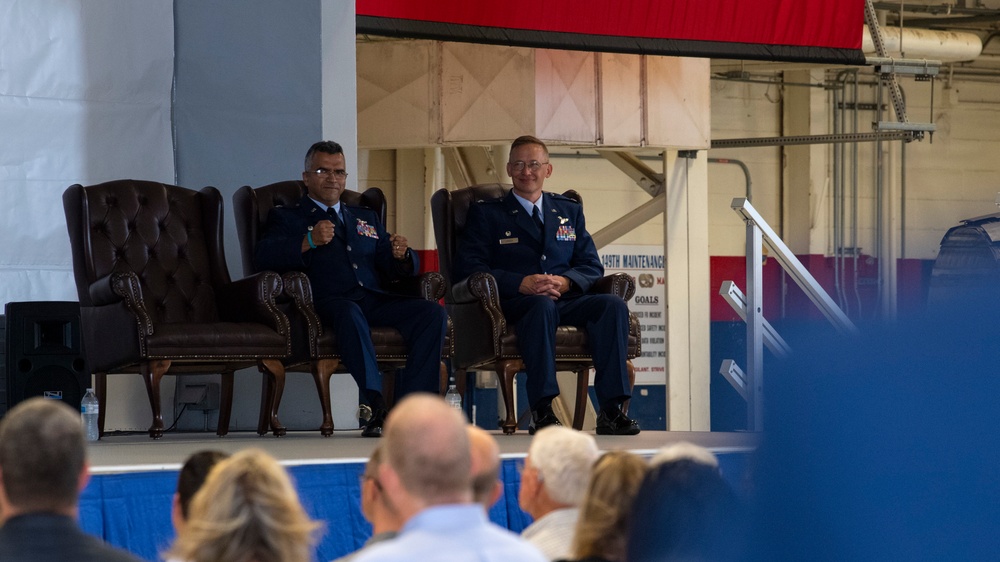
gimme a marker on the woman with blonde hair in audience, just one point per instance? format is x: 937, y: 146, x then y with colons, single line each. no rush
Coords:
x: 247, y: 511
x: 602, y: 528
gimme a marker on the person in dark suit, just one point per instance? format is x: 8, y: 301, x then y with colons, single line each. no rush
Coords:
x: 43, y: 468
x: 347, y: 253
x: 537, y: 247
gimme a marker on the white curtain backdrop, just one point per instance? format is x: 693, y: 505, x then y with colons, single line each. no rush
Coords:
x: 85, y: 91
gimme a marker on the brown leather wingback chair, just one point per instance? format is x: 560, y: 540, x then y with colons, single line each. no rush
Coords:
x: 483, y: 338
x: 315, y: 349
x: 155, y: 293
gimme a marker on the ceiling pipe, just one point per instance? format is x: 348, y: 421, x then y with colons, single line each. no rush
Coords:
x: 945, y: 46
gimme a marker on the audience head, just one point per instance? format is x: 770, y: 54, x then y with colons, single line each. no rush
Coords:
x: 427, y: 455
x: 43, y: 460
x: 684, y: 450
x: 556, y: 470
x: 376, y: 507
x: 602, y: 528
x: 486, y: 485
x: 189, y: 481
x: 687, y: 512
x: 247, y: 510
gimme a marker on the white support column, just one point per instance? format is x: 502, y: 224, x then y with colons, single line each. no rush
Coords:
x: 687, y: 319
x: 413, y: 194
x: 339, y: 80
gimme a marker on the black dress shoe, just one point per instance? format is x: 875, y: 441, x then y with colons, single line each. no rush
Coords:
x: 615, y: 422
x: 543, y: 417
x: 374, y: 426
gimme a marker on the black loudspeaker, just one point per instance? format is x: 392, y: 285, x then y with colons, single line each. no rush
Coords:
x: 44, y: 352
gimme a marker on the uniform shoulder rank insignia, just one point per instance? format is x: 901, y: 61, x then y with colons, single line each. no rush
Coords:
x: 365, y: 229
x: 566, y: 233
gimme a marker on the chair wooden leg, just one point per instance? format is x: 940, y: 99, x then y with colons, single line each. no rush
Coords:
x: 322, y: 370
x: 631, y: 384
x: 266, y: 397
x: 152, y: 372
x: 101, y: 389
x: 443, y: 379
x: 582, y: 386
x: 276, y: 371
x: 461, y: 382
x: 225, y: 403
x: 505, y: 374
x: 389, y: 386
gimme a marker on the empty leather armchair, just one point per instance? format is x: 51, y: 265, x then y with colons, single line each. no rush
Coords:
x: 315, y: 348
x: 155, y: 293
x: 483, y: 338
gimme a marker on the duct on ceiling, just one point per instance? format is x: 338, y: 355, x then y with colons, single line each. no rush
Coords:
x: 914, y: 43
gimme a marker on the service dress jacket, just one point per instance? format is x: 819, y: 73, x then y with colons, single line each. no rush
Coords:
x: 359, y: 256
x: 500, y: 238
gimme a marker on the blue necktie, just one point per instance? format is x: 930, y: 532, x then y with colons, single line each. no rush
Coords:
x: 537, y: 217
x: 338, y: 222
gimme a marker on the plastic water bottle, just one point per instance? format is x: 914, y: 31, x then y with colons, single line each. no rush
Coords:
x: 453, y: 398
x: 89, y: 410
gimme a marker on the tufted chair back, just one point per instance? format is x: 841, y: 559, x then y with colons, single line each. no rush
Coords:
x: 155, y: 293
x: 171, y: 237
x: 449, y: 210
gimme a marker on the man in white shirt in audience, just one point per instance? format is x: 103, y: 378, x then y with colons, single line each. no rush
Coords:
x: 427, y: 475
x: 553, y: 484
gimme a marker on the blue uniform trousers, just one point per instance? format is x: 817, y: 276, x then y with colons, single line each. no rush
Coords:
x: 422, y: 324
x: 605, y: 317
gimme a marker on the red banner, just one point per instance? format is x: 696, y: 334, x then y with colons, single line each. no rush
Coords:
x: 820, y: 30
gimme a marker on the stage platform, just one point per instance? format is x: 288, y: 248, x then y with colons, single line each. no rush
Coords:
x: 128, y: 499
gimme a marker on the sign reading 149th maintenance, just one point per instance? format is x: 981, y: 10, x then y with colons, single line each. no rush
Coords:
x: 645, y: 263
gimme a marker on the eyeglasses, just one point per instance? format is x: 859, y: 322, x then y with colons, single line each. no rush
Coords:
x: 520, y: 165
x: 337, y: 174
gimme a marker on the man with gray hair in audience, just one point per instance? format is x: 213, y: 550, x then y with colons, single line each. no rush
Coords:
x: 427, y: 474
x: 43, y: 469
x: 553, y: 484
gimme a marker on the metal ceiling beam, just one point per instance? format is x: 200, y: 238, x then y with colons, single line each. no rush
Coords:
x: 649, y: 180
x: 813, y: 139
x: 636, y: 217
x: 471, y: 165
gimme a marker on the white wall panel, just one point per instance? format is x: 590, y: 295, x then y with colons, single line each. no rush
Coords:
x: 397, y: 108
x: 678, y: 102
x: 565, y: 96
x: 488, y: 93
x: 84, y: 98
x: 621, y: 99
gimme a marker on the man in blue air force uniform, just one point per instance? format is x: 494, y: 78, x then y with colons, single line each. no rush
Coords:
x: 345, y: 251
x: 537, y: 247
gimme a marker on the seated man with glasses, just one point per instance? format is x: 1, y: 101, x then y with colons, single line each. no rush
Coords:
x: 537, y: 247
x: 346, y: 252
